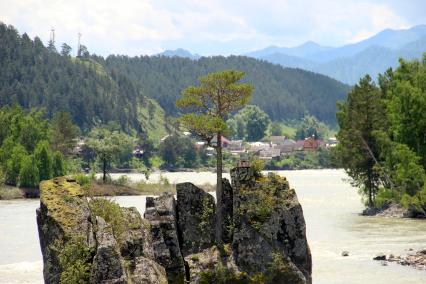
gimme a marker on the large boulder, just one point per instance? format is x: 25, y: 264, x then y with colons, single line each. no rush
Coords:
x: 79, y: 246
x: 63, y: 218
x: 269, y: 228
x: 196, y: 211
x: 161, y: 213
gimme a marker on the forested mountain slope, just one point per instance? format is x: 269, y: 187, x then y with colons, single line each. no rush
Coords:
x: 284, y: 93
x: 33, y: 75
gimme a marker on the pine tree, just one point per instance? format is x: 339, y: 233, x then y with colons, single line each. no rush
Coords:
x: 210, y: 104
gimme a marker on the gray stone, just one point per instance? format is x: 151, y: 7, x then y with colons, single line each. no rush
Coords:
x: 147, y: 271
x: 136, y: 239
x: 196, y: 218
x: 345, y: 253
x: 161, y: 213
x: 380, y: 256
x: 227, y: 211
x: 107, y: 264
x: 269, y: 221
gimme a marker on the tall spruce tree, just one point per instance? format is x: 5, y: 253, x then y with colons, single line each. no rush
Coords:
x: 358, y: 118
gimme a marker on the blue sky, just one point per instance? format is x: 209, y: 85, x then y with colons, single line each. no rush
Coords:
x: 208, y: 27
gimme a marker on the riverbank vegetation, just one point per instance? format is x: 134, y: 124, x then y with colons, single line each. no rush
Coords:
x: 382, y: 137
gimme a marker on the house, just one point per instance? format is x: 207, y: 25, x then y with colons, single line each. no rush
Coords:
x: 287, y: 146
x: 278, y: 140
x: 225, y: 142
x: 138, y: 153
x: 332, y: 142
x: 269, y: 154
x: 258, y: 146
x: 311, y: 144
x: 298, y: 146
x: 236, y: 147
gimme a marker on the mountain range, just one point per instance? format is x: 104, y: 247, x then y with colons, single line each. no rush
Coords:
x: 349, y: 62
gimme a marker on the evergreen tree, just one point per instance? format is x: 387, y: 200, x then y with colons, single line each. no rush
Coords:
x: 43, y: 160
x: 58, y: 164
x: 64, y: 133
x: 29, y: 174
x: 358, y: 118
x: 65, y: 50
x: 211, y: 103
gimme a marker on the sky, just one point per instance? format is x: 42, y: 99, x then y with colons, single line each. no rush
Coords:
x: 207, y: 27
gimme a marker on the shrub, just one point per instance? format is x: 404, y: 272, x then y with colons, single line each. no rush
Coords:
x: 111, y: 213
x: 257, y: 167
x: 75, y: 259
x: 123, y: 180
x: 83, y: 179
x: 386, y: 196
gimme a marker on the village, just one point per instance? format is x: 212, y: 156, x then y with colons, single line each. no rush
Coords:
x: 271, y: 147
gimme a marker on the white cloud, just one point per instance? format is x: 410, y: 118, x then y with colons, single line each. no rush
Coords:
x: 209, y: 26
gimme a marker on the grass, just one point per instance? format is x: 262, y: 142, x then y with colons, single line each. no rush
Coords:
x: 10, y: 192
x: 152, y: 119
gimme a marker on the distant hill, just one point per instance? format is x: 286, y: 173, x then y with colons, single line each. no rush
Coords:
x: 349, y: 62
x: 180, y: 52
x: 304, y: 50
x: 284, y: 93
x: 32, y: 75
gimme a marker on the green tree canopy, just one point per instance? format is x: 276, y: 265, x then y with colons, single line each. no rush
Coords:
x: 64, y: 133
x: 109, y: 146
x: 310, y: 127
x: 209, y: 105
x: 358, y: 149
x: 250, y: 123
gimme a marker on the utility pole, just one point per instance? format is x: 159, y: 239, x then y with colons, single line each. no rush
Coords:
x: 52, y: 35
x: 79, y: 45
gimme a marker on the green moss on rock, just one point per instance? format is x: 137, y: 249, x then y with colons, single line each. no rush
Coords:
x: 261, y: 199
x: 62, y: 197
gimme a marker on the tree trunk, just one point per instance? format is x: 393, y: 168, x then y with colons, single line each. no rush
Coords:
x: 219, y: 189
x: 104, y: 170
x: 370, y: 190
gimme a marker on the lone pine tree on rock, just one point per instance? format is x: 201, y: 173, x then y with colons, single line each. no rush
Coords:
x: 209, y: 105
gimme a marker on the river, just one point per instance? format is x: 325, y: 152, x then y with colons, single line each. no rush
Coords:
x: 330, y: 206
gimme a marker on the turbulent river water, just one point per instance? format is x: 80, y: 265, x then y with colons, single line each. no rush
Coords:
x: 331, y: 209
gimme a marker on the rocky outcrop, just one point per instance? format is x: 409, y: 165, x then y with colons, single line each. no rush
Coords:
x: 64, y: 215
x: 97, y: 241
x: 415, y: 259
x: 269, y: 225
x: 161, y: 213
x: 197, y: 219
x: 79, y: 246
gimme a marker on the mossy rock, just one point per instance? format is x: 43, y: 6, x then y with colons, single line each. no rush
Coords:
x: 66, y: 204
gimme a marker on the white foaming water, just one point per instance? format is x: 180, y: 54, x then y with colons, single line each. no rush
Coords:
x: 331, y: 209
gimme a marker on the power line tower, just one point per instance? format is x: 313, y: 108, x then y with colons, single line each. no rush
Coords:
x: 52, y: 35
x: 51, y: 45
x: 79, y: 45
